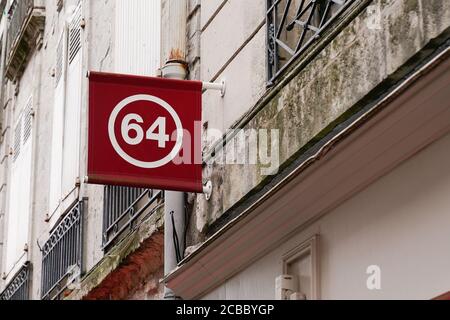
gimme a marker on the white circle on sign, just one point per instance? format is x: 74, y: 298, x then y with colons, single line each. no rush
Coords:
x: 138, y: 163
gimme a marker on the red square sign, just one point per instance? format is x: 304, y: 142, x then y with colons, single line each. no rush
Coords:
x: 145, y: 132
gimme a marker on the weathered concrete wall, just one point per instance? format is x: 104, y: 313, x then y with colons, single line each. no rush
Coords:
x: 16, y: 96
x: 4, y: 173
x: 320, y: 94
x: 99, y: 49
x: 3, y: 145
x: 232, y: 48
x: 42, y: 138
x: 219, y: 49
x: 193, y: 39
x: 99, y: 28
x: 3, y: 134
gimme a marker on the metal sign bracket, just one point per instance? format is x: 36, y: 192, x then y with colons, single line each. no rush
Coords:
x: 221, y: 86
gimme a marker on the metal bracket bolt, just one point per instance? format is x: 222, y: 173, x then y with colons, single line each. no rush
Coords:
x: 207, y: 190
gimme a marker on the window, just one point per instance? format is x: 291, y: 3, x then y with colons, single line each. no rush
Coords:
x: 292, y: 25
x: 19, y: 189
x: 65, y: 151
x: 302, y: 263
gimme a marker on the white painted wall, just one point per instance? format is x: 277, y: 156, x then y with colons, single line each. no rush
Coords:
x: 234, y: 52
x: 400, y: 223
x: 3, y: 171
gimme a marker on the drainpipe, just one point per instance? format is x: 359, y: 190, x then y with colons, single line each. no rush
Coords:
x: 173, y: 44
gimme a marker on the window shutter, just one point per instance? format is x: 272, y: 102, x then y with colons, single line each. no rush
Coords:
x: 58, y: 124
x: 20, y: 188
x: 17, y: 139
x: 137, y: 37
x: 75, y: 35
x: 27, y: 121
x: 72, y: 111
x: 60, y: 58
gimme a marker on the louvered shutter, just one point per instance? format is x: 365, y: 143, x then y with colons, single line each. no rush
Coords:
x: 58, y: 124
x: 71, y: 144
x: 137, y: 37
x: 17, y: 140
x: 20, y: 187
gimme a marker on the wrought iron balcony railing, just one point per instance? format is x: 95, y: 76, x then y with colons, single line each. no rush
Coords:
x: 26, y: 25
x: 123, y: 208
x: 62, y: 255
x: 18, y: 288
x: 293, y: 25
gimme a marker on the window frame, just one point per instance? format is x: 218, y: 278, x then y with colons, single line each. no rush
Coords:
x: 310, y: 246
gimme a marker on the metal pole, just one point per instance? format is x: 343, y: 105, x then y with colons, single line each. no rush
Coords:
x: 173, y: 36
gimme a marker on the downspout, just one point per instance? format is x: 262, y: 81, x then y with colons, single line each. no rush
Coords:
x: 173, y: 46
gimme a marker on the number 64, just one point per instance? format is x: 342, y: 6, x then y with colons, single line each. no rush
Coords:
x: 150, y: 134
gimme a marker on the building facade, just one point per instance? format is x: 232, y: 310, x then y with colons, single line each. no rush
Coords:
x: 327, y: 153
x: 57, y: 230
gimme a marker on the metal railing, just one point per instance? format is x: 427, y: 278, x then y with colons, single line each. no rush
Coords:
x: 123, y: 207
x: 293, y: 25
x: 18, y: 288
x: 18, y: 14
x: 62, y: 254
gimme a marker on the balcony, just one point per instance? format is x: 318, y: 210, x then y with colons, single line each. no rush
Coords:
x: 62, y: 255
x: 24, y: 34
x: 294, y: 25
x: 18, y: 288
x: 123, y: 209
